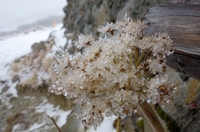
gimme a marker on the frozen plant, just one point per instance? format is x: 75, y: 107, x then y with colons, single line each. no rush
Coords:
x: 115, y: 73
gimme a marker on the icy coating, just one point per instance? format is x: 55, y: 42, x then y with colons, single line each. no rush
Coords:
x: 116, y: 72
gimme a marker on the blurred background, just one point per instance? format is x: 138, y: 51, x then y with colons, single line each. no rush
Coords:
x: 24, y: 14
x: 31, y: 31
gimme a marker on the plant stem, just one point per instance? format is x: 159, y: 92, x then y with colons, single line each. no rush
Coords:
x: 151, y: 117
x: 54, y: 122
x: 118, y: 124
x: 131, y: 60
x: 136, y: 52
x: 140, y: 58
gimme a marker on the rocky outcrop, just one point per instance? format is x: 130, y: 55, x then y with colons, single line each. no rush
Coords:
x: 33, y: 69
x: 84, y: 16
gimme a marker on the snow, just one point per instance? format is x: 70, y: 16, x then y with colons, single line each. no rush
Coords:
x: 16, y: 127
x: 54, y: 112
x: 60, y: 41
x: 106, y: 126
x: 15, y: 13
x: 35, y: 126
x: 20, y: 45
x: 17, y: 46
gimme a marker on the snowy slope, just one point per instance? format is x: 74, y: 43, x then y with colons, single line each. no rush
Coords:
x: 15, y: 13
x: 17, y: 46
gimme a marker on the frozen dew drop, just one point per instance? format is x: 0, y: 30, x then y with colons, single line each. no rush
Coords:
x: 144, y: 90
x: 65, y: 93
x: 57, y: 81
x: 95, y: 126
x: 59, y: 55
x: 60, y: 88
x: 51, y: 91
x: 134, y: 111
x: 125, y: 15
x: 141, y: 100
x: 129, y: 113
x: 56, y: 68
x: 53, y: 86
x: 57, y: 92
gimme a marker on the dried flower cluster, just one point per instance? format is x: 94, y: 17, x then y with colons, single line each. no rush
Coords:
x: 114, y: 73
x: 33, y: 69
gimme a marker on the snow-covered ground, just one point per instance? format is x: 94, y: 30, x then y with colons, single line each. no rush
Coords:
x: 15, y: 47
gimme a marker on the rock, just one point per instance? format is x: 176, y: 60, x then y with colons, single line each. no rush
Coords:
x: 4, y: 89
x: 127, y: 125
x: 185, y: 1
x: 13, y: 120
x: 130, y: 124
x: 28, y: 69
x: 38, y: 46
x: 72, y: 123
x: 184, y: 109
x: 86, y: 15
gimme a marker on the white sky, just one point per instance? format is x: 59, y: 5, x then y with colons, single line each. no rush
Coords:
x: 14, y: 13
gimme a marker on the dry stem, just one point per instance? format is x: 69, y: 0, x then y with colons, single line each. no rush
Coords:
x: 118, y: 124
x: 151, y: 117
x: 54, y: 122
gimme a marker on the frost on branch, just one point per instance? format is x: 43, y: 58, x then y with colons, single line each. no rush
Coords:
x: 114, y: 73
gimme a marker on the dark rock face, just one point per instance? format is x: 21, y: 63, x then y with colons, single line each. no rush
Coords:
x: 84, y: 16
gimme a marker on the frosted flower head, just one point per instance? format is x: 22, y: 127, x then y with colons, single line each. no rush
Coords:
x: 116, y: 72
x: 84, y: 40
x: 108, y: 28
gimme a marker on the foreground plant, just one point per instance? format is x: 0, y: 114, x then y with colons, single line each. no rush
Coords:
x: 116, y: 73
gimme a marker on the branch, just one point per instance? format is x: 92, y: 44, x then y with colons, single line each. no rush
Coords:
x: 54, y: 122
x: 151, y: 117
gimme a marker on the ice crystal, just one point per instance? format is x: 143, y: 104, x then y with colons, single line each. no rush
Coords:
x: 114, y: 73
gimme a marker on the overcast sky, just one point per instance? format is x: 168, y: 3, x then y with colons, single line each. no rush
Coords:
x: 14, y: 13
